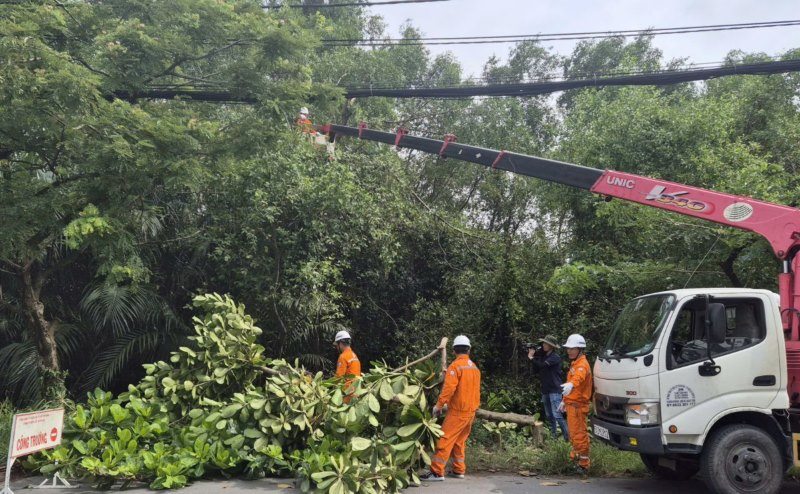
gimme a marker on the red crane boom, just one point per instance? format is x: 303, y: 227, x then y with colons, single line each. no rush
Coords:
x: 779, y: 224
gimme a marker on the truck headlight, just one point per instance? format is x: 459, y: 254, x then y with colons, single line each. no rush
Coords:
x: 640, y: 414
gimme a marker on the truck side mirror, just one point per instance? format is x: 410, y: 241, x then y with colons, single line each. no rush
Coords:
x: 717, y: 323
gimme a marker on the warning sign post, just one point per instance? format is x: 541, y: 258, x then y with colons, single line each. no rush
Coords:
x: 32, y: 432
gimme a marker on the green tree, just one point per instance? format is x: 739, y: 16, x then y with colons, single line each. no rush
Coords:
x: 84, y: 174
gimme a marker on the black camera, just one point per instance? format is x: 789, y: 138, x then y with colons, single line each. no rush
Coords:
x: 528, y: 346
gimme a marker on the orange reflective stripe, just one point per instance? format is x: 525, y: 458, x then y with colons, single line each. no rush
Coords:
x: 436, y: 459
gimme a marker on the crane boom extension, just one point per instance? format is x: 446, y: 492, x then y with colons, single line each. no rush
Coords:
x: 780, y: 225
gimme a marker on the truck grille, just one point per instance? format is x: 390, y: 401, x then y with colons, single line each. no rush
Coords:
x: 610, y: 408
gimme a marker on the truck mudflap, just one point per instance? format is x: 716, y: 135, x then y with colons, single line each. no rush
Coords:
x: 796, y: 449
x: 645, y: 440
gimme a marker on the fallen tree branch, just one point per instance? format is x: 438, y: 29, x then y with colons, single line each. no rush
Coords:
x: 268, y: 370
x: 508, y: 417
x: 442, y: 346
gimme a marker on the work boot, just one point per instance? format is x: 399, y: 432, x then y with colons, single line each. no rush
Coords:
x: 455, y: 475
x: 582, y: 471
x: 431, y: 477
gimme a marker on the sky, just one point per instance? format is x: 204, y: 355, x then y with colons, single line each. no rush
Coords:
x: 512, y: 17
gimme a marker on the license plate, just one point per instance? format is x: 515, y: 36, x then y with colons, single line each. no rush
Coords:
x: 601, y: 432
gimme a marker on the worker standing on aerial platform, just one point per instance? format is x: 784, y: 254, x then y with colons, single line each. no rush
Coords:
x: 305, y: 123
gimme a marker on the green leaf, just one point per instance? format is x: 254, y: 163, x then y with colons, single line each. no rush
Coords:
x: 230, y: 410
x: 318, y: 476
x: 386, y: 391
x: 407, y: 430
x: 252, y: 433
x: 360, y: 443
x: 373, y: 421
x: 373, y: 403
x: 338, y: 487
x: 404, y: 446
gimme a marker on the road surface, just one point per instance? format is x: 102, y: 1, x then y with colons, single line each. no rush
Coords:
x: 477, y: 484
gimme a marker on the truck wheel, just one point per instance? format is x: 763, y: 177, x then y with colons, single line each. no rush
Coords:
x: 741, y: 459
x: 684, y: 469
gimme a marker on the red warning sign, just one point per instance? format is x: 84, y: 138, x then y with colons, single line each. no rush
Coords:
x: 36, y: 431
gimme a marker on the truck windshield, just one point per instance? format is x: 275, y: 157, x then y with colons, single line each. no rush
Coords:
x: 637, y: 328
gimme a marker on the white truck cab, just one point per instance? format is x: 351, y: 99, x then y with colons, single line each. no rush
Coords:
x: 696, y: 381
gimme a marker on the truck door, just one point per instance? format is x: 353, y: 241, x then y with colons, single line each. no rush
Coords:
x: 749, y: 375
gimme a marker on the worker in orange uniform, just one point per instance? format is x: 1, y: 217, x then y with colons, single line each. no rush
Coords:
x: 576, y: 395
x: 305, y: 124
x: 348, y: 366
x: 461, y: 397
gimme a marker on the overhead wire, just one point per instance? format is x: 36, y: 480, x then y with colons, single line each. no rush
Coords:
x: 517, y: 90
x: 468, y: 40
x: 545, y: 87
x: 552, y: 76
x: 351, y: 4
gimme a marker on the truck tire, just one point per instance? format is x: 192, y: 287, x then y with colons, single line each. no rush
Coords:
x: 685, y: 469
x: 742, y: 459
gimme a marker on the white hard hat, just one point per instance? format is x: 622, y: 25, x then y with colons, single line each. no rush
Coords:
x: 461, y: 340
x: 575, y: 341
x: 341, y: 335
x: 304, y: 110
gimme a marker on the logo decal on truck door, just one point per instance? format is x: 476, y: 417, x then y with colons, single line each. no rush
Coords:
x: 680, y: 395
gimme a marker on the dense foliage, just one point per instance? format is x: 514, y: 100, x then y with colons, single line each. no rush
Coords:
x: 117, y: 211
x: 220, y: 406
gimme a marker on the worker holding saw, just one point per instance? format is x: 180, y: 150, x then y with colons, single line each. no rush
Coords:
x: 461, y: 397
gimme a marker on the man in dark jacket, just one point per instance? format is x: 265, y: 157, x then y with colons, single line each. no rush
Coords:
x: 548, y: 363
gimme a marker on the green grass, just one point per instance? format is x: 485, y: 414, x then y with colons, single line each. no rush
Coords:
x: 6, y: 413
x: 517, y: 454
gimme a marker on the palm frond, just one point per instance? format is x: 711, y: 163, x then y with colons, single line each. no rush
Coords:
x: 119, y: 307
x: 20, y: 376
x: 113, y: 360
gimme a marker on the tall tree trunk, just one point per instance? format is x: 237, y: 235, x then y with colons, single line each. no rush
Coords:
x: 42, y: 332
x: 727, y: 267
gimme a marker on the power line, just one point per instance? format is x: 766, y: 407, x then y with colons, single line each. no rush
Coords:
x: 464, y: 40
x: 552, y: 76
x: 351, y: 4
x: 516, y: 90
x: 546, y: 87
x: 606, y: 32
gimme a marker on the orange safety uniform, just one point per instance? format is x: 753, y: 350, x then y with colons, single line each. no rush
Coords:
x: 462, y: 395
x: 306, y: 126
x: 577, y: 408
x: 348, y: 365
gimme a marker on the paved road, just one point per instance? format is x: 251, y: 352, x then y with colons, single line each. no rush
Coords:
x: 479, y: 484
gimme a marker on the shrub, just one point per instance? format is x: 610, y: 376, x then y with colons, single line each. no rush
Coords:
x: 220, y: 407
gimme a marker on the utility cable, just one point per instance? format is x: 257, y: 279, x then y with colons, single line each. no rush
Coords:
x: 546, y: 87
x: 517, y: 90
x: 350, y: 4
x: 470, y: 40
x: 620, y: 32
x: 702, y: 260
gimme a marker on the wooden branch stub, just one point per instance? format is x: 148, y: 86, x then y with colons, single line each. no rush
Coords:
x: 508, y: 417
